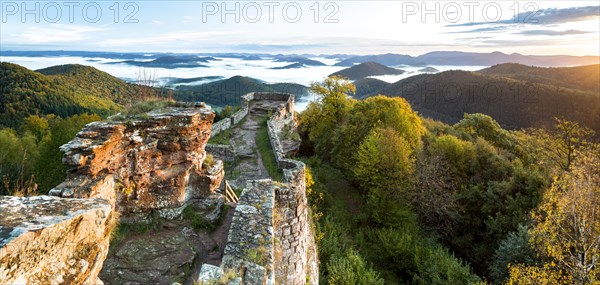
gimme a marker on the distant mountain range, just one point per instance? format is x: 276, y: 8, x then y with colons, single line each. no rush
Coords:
x: 580, y: 77
x: 471, y: 59
x: 516, y: 96
x: 366, y: 69
x: 171, y: 61
x: 194, y: 79
x: 454, y: 58
x: 299, y: 62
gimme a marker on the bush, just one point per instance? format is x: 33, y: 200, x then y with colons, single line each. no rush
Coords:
x: 350, y: 269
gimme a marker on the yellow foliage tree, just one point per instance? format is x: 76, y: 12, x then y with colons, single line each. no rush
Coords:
x: 567, y: 228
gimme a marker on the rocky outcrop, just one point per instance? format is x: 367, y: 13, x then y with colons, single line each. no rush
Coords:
x: 154, y: 163
x: 50, y: 240
x: 143, y: 165
x: 159, y: 258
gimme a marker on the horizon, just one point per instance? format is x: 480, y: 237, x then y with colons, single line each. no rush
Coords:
x: 302, y: 27
x: 153, y: 53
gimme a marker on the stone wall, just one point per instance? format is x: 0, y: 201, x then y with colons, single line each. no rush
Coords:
x: 250, y: 243
x: 227, y: 123
x: 238, y: 116
x: 272, y: 218
x: 299, y: 260
x: 145, y: 165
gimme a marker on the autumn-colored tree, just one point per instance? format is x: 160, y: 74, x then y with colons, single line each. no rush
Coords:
x: 567, y: 226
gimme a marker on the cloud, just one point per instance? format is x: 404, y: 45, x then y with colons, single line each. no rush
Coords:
x: 276, y: 47
x: 518, y: 42
x: 168, y: 38
x: 553, y: 33
x: 546, y: 16
x: 156, y: 22
x: 482, y: 30
x: 55, y: 33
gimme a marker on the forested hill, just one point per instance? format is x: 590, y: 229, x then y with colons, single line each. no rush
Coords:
x: 65, y: 91
x: 514, y: 103
x: 366, y: 69
x: 94, y: 81
x: 228, y: 91
x: 586, y: 78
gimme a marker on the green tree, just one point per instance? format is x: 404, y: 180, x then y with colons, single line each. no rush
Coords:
x: 383, y: 166
x: 351, y: 269
x: 49, y: 167
x: 325, y: 115
x: 514, y: 249
x: 560, y: 145
x: 480, y: 125
x: 36, y: 125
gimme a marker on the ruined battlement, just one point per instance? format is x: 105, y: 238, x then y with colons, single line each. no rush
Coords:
x: 270, y: 239
x: 156, y: 163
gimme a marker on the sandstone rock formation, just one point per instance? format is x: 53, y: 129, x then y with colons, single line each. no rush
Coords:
x: 50, y: 240
x: 143, y: 165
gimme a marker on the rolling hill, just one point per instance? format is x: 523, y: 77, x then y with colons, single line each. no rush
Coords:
x: 228, y: 91
x: 61, y: 90
x: 586, y: 78
x: 366, y: 69
x: 95, y: 82
x: 446, y: 96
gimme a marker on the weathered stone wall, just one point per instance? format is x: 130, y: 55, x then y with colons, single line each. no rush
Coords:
x: 238, y: 116
x: 50, y: 240
x: 231, y: 121
x: 250, y: 243
x: 299, y: 261
x: 276, y: 212
x: 139, y: 166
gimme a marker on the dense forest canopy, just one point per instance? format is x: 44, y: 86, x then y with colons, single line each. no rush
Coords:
x: 447, y: 204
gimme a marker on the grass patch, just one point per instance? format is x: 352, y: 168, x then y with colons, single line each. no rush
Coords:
x: 222, y: 137
x: 266, y: 151
x: 209, y: 161
x: 198, y: 222
x: 230, y: 172
x: 125, y: 230
x: 139, y: 110
x: 338, y: 231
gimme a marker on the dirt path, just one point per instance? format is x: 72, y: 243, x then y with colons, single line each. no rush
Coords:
x: 212, y: 245
x: 248, y: 164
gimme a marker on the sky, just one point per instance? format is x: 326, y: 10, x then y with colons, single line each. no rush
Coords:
x: 352, y: 27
